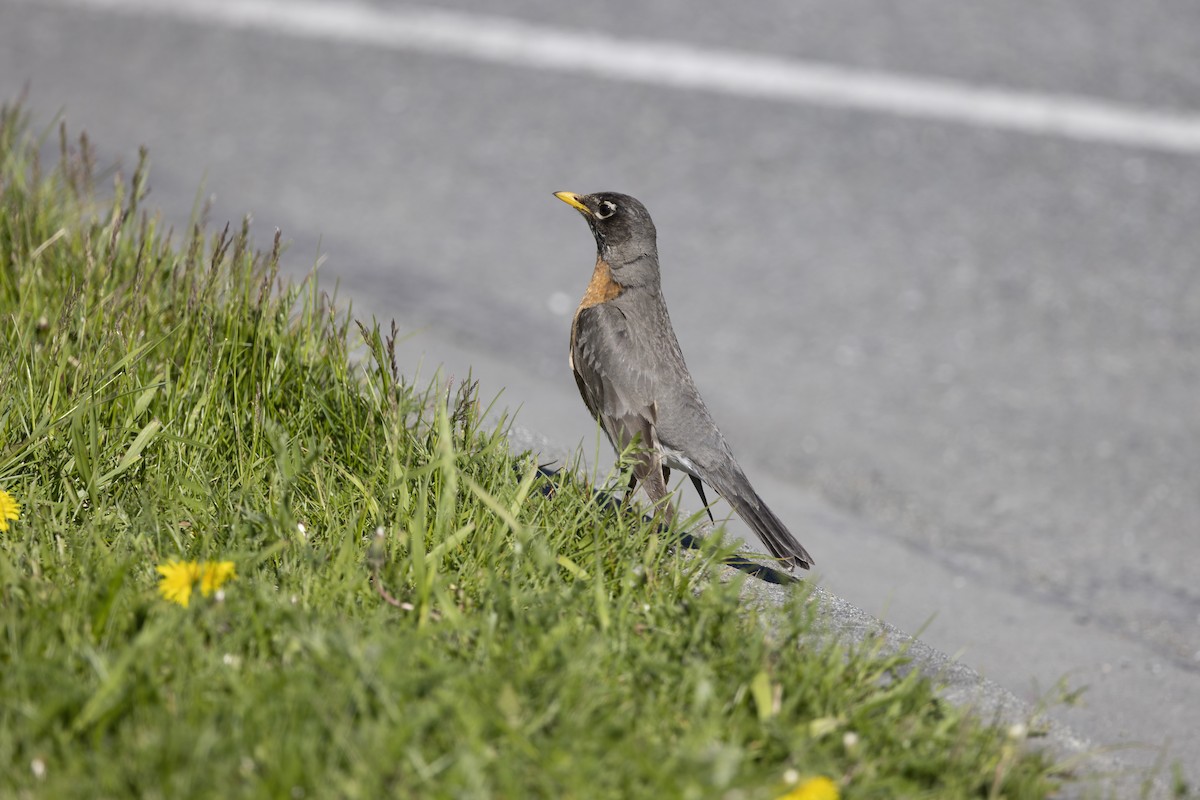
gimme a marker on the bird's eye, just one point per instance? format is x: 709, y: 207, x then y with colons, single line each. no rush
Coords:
x: 606, y: 210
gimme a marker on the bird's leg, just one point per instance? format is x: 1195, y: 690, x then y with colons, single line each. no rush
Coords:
x: 633, y: 482
x: 653, y: 475
x: 666, y: 473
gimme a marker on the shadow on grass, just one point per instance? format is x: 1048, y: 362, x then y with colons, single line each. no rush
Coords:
x: 691, y: 541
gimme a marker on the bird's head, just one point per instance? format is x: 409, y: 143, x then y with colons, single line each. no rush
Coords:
x: 622, y: 227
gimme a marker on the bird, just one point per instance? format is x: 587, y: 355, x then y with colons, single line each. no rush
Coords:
x: 632, y: 376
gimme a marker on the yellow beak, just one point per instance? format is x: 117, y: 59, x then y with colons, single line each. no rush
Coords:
x: 571, y: 199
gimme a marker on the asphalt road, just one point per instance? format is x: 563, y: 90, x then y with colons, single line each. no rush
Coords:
x: 958, y: 352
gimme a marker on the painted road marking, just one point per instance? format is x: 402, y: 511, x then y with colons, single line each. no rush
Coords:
x: 661, y: 63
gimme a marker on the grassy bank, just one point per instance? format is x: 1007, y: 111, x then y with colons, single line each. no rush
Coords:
x: 404, y: 609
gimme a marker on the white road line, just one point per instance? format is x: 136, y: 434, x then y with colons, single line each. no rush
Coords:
x: 661, y: 63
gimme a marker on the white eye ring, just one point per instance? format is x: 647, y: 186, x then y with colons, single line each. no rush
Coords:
x: 611, y: 208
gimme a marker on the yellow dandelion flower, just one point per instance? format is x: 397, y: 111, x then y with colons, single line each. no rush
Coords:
x: 9, y: 509
x: 213, y: 574
x: 820, y: 788
x: 179, y: 578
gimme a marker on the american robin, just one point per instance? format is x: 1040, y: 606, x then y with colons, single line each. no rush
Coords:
x: 632, y: 376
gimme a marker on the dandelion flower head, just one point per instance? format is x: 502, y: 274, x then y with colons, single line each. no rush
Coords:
x: 820, y: 788
x: 179, y: 578
x: 213, y: 574
x: 9, y: 509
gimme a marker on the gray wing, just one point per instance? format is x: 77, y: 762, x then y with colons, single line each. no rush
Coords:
x: 617, y: 390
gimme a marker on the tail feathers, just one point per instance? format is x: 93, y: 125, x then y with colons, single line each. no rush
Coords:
x: 768, y: 527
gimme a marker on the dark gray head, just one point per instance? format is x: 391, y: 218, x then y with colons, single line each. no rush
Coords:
x: 625, y: 235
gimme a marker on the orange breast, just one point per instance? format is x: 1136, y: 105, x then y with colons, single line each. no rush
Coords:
x: 602, y: 287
